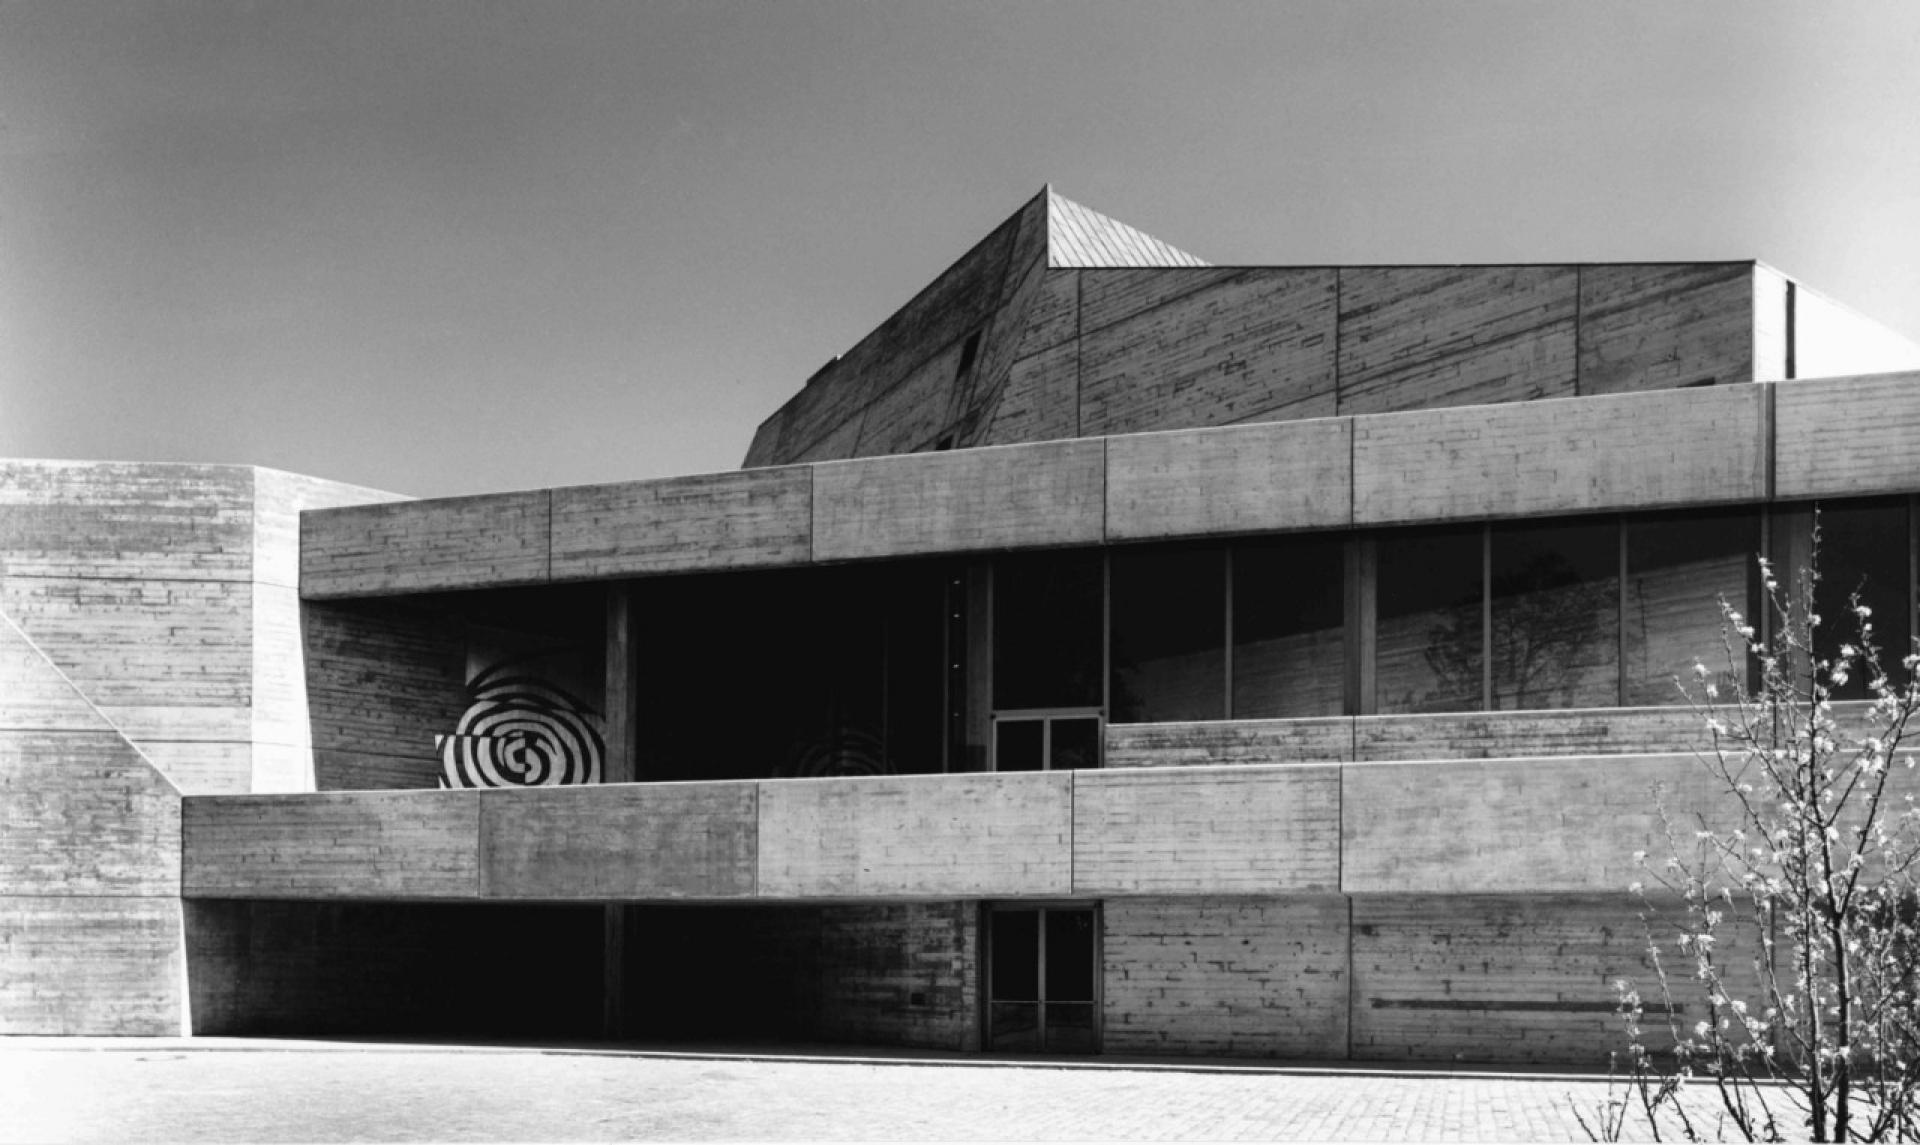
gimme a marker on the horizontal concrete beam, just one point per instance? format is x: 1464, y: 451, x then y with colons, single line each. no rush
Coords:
x: 423, y: 546
x: 1573, y: 455
x: 1020, y: 496
x: 755, y: 518
x: 1717, y: 445
x: 1847, y: 437
x: 1566, y: 824
x: 1262, y: 830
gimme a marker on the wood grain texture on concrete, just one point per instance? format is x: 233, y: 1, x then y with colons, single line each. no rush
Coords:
x: 911, y: 411
x: 1497, y: 735
x: 629, y: 842
x: 1258, y: 345
x: 1240, y: 479
x: 1053, y: 317
x: 1491, y: 978
x: 91, y: 965
x: 420, y: 546
x: 1210, y: 743
x: 360, y: 845
x: 1427, y: 337
x: 381, y: 679
x: 754, y: 518
x: 1626, y: 451
x: 280, y: 715
x: 1225, y: 976
x: 89, y: 864
x: 825, y: 419
x: 166, y: 659
x: 81, y: 813
x: 278, y: 500
x: 34, y: 695
x: 143, y: 521
x: 1562, y: 825
x: 1226, y: 830
x: 1114, y: 295
x: 1666, y: 326
x: 1015, y: 496
x: 1845, y: 437
x: 1006, y: 335
x: 1040, y: 401
x: 950, y: 836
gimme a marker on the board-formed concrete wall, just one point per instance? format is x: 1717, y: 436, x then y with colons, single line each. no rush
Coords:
x: 1226, y: 976
x: 1665, y: 449
x: 1081, y: 350
x: 89, y: 864
x: 1566, y: 825
x: 150, y: 644
x: 168, y: 594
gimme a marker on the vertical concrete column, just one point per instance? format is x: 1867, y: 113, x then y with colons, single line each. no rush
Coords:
x: 1362, y: 607
x: 622, y: 699
x: 621, y: 703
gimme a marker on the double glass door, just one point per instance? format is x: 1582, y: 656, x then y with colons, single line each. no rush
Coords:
x: 1042, y: 974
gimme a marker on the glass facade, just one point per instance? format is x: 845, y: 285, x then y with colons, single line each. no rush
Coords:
x: 1679, y: 566
x: 1049, y: 618
x: 1289, y: 628
x: 1864, y: 551
x: 1430, y: 643
x: 1169, y: 626
x: 879, y: 668
x: 1554, y: 623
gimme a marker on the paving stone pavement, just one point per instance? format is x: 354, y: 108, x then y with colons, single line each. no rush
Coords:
x: 103, y: 1090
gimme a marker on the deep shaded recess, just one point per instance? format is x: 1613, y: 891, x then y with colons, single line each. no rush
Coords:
x: 1555, y: 590
x: 394, y: 969
x: 897, y: 974
x: 1169, y: 634
x: 1431, y: 643
x: 800, y: 673
x: 1048, y: 619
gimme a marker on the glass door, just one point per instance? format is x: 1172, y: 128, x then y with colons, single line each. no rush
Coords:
x: 1043, y: 971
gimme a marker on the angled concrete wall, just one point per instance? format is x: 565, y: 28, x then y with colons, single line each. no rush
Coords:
x: 169, y: 595
x: 90, y: 937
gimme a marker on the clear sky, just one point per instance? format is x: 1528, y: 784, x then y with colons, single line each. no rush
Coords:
x: 467, y: 246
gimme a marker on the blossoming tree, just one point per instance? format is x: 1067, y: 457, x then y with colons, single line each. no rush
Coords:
x: 1783, y: 914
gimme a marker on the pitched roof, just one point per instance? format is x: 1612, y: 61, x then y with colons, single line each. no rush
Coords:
x: 1080, y: 237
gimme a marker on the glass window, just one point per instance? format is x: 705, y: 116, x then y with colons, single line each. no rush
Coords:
x: 1169, y: 635
x: 1556, y: 616
x: 1863, y: 549
x: 1429, y: 631
x: 1679, y: 566
x: 916, y: 671
x: 1289, y: 636
x: 1020, y: 745
x: 1074, y: 743
x: 1047, y: 626
x: 1016, y: 956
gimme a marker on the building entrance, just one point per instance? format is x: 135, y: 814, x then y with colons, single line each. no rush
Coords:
x: 1043, y: 974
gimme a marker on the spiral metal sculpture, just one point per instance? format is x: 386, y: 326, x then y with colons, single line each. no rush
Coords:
x: 520, y: 732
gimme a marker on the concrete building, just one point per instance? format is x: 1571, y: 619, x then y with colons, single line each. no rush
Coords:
x: 1109, y: 653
